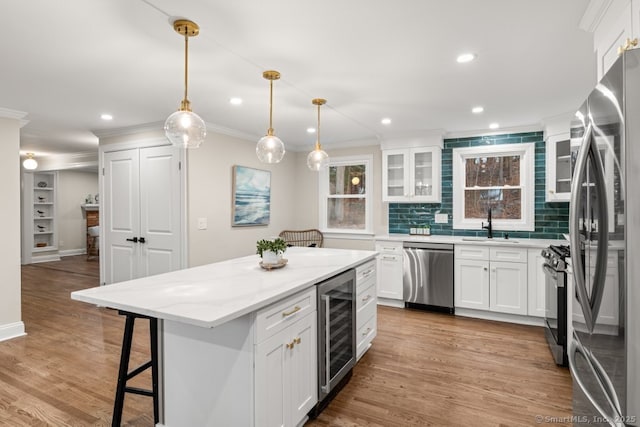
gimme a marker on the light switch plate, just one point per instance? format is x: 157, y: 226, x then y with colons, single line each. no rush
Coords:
x: 441, y: 218
x: 202, y: 223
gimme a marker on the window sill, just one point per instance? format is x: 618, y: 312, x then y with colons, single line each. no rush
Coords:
x: 348, y: 235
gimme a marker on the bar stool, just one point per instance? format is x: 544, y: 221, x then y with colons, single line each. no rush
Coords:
x: 124, y: 375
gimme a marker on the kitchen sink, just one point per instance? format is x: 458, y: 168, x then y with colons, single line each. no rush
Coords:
x: 487, y: 240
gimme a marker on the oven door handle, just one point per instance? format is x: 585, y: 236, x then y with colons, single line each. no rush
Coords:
x: 550, y: 271
x: 327, y: 343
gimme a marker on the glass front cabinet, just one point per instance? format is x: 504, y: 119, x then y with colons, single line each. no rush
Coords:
x: 411, y: 175
x: 560, y: 149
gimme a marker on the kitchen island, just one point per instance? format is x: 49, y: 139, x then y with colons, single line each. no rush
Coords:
x: 213, y: 320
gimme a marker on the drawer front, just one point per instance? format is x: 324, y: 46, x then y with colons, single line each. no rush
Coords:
x: 279, y: 315
x: 366, y: 333
x: 508, y: 254
x: 389, y: 247
x: 472, y: 252
x: 365, y: 273
x: 366, y: 304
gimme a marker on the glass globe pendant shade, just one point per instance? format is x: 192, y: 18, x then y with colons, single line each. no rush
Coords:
x: 270, y: 149
x: 317, y: 159
x: 30, y: 163
x: 185, y: 129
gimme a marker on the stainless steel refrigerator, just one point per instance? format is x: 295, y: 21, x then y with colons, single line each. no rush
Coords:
x: 604, y: 224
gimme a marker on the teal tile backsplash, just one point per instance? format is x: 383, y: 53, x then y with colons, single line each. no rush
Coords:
x: 551, y: 219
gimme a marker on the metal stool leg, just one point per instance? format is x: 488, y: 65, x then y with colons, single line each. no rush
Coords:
x: 124, y: 375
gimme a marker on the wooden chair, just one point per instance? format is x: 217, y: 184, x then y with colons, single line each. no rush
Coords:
x: 311, y: 237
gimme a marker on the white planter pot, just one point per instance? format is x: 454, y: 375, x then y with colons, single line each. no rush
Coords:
x: 270, y: 257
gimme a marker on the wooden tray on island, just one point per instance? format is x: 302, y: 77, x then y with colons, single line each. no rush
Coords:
x: 279, y: 264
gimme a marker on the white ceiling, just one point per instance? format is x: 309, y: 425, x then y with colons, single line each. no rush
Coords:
x: 66, y: 62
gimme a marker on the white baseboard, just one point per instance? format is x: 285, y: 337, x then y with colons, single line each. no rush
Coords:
x: 391, y: 302
x: 73, y: 252
x: 45, y: 258
x: 500, y: 317
x: 12, y: 330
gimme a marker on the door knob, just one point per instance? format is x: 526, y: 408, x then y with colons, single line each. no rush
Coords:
x: 134, y: 240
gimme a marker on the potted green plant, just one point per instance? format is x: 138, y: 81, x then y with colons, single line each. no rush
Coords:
x: 271, y: 250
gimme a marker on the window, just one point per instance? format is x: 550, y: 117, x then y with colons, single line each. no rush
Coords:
x: 346, y: 195
x: 499, y: 177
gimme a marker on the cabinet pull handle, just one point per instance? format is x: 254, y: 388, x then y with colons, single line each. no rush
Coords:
x: 291, y: 344
x: 389, y: 258
x: 366, y: 298
x: 485, y: 269
x: 297, y: 340
x: 367, y: 273
x: 366, y: 332
x: 289, y: 313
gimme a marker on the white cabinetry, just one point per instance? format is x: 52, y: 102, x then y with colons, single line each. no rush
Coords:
x: 536, y: 283
x: 286, y: 386
x: 493, y: 279
x: 558, y: 164
x: 389, y: 270
x: 411, y: 175
x: 40, y: 230
x: 366, y: 307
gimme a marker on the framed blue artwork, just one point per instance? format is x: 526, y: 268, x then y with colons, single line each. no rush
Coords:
x: 251, y: 196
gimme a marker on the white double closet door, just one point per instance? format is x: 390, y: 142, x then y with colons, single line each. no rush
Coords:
x: 142, y: 213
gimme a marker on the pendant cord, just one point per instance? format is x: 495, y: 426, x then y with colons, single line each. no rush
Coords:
x: 270, y: 132
x: 318, y: 134
x: 186, y: 64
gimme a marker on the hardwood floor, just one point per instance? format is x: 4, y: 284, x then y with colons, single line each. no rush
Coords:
x: 423, y: 368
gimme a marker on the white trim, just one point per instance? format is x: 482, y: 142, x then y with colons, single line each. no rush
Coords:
x: 73, y: 252
x: 388, y: 302
x: 593, y: 14
x: 44, y: 258
x: 12, y: 330
x: 348, y: 235
x: 323, y: 192
x: 501, y: 131
x: 430, y: 138
x: 8, y: 113
x: 500, y: 317
x: 527, y: 184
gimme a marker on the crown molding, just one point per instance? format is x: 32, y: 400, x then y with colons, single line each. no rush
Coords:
x: 501, y: 131
x: 593, y: 14
x: 7, y: 113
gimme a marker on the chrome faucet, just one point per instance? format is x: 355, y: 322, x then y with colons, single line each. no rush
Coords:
x: 488, y: 226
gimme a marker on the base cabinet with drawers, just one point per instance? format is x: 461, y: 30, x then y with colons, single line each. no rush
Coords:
x: 366, y: 307
x: 491, y: 278
x: 389, y: 266
x: 286, y: 361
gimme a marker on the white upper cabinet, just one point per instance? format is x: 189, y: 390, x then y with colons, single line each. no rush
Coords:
x: 612, y: 23
x: 559, y: 168
x: 411, y: 168
x: 411, y: 175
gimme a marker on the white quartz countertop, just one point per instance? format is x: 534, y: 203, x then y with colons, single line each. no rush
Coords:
x: 213, y: 294
x: 515, y: 242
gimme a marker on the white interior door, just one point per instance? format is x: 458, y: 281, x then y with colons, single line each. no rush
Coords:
x: 142, y: 213
x: 121, y: 215
x: 159, y: 210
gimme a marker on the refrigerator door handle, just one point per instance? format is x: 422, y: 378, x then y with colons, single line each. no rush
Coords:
x: 575, y: 347
x: 590, y: 305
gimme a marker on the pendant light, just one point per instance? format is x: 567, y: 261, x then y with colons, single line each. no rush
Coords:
x: 30, y: 163
x: 318, y: 158
x: 185, y: 128
x: 270, y: 148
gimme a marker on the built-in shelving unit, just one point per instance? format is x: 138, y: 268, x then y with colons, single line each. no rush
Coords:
x: 40, y: 234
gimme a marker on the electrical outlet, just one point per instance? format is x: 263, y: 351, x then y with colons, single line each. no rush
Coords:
x: 441, y: 218
x: 202, y: 223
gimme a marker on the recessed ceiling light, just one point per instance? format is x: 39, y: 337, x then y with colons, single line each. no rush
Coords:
x: 494, y: 126
x: 311, y: 130
x: 466, y: 57
x: 386, y: 121
x: 106, y: 117
x: 235, y: 101
x: 477, y: 110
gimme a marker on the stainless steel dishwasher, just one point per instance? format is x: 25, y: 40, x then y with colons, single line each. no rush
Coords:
x: 428, y: 276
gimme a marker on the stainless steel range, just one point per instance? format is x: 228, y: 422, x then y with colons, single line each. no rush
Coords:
x: 555, y: 271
